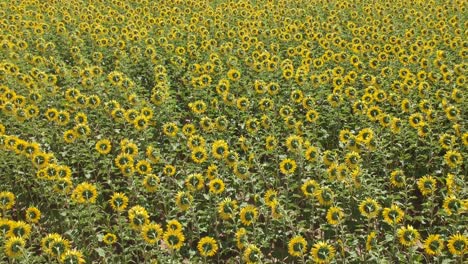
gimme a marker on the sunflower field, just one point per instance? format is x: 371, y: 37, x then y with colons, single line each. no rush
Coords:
x: 233, y: 131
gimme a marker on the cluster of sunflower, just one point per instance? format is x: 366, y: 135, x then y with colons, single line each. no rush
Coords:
x: 280, y: 131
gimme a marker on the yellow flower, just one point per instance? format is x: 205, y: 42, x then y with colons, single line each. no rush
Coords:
x: 227, y: 208
x: 248, y: 215
x: 309, y: 187
x: 14, y: 247
x: 453, y: 205
x: 119, y: 202
x: 151, y: 233
x: 143, y: 167
x: 371, y: 240
x: 433, y: 245
x: 103, y: 146
x: 184, y: 200
x: 297, y: 246
x: 207, y: 246
x: 216, y: 186
x: 322, y: 252
x: 393, y: 215
x: 408, y: 236
x: 324, y: 196
x: 174, y: 239
x: 427, y: 185
x: 397, y: 178
x: 458, y: 244
x: 288, y: 166
x: 7, y: 200
x: 199, y: 155
x: 335, y: 215
x: 138, y: 217
x: 109, y: 239
x: 453, y: 158
x: 220, y: 149
x: 252, y: 254
x: 33, y: 214
x: 72, y: 256
x: 85, y: 193
x: 195, y: 182
x: 369, y: 208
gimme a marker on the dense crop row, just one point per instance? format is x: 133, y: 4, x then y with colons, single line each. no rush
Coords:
x: 267, y: 131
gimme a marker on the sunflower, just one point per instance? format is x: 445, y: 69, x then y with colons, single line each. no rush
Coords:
x: 103, y: 146
x: 297, y: 246
x: 109, y: 239
x: 309, y: 187
x: 118, y: 202
x: 270, y: 197
x: 352, y: 159
x: 174, y: 225
x: 7, y: 200
x: 241, y: 170
x: 433, y: 245
x: 220, y: 149
x: 288, y: 166
x: 170, y: 129
x: 369, y: 208
x: 270, y: 143
x: 195, y: 141
x: 427, y: 185
x: 138, y: 217
x: 151, y: 233
x: 324, y: 196
x: 72, y: 257
x: 252, y: 254
x: 397, y: 178
x: 143, y: 167
x: 311, y: 153
x: 453, y: 158
x: 141, y: 122
x: 174, y: 239
x: 322, y: 252
x: 58, y: 246
x: 14, y: 247
x: 207, y: 246
x: 393, y: 215
x: 169, y: 170
x: 458, y: 244
x: 194, y: 182
x: 415, y: 120
x: 199, y: 155
x: 453, y: 205
x: 371, y: 240
x: 33, y: 214
x: 151, y: 182
x: 335, y: 215
x: 216, y: 186
x: 408, y: 236
x: 233, y: 75
x: 312, y: 116
x: 123, y: 159
x: 248, y: 215
x: 85, y: 193
x: 227, y: 208
x: 294, y: 143
x: 184, y: 200
x: 19, y: 229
